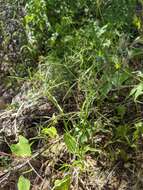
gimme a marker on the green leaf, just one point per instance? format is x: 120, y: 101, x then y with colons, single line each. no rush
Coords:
x: 121, y: 131
x: 138, y: 131
x: 63, y: 184
x: 136, y: 53
x: 71, y: 143
x: 119, y: 78
x: 137, y: 91
x: 52, y: 132
x: 105, y: 89
x: 23, y: 183
x: 90, y: 149
x: 121, y: 110
x: 137, y: 22
x: 22, y: 148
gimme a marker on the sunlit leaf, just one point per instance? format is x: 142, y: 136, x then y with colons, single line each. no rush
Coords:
x: 63, y: 184
x: 137, y: 22
x: 51, y: 131
x: 71, y: 143
x: 23, y: 183
x: 137, y: 91
x: 22, y: 148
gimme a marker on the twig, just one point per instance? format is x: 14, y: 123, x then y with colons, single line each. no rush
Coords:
x: 110, y: 174
x: 35, y: 171
x: 19, y: 166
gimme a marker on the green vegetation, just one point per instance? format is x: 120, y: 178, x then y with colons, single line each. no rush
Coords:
x: 87, y: 50
x: 85, y: 57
